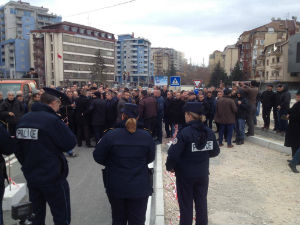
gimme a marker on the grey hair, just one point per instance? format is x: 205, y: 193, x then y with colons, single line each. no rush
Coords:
x: 10, y: 93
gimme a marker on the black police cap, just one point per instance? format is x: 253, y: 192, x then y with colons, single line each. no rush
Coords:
x: 58, y: 94
x: 131, y: 110
x: 195, y: 107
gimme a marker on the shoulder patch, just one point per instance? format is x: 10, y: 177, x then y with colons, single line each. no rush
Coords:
x: 148, y: 130
x: 109, y: 129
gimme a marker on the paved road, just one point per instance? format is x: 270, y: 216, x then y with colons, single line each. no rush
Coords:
x: 89, y: 202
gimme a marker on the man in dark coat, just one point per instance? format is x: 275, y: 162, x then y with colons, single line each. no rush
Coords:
x: 148, y: 111
x: 168, y: 114
x: 111, y: 110
x: 283, y: 107
x: 211, y: 100
x: 98, y: 115
x: 267, y: 99
x: 292, y: 136
x: 241, y: 115
x: 82, y: 118
x: 177, y: 111
x: 11, y: 110
x: 275, y: 110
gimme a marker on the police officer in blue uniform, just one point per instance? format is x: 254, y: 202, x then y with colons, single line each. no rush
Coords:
x: 7, y: 147
x: 42, y: 139
x: 188, y: 157
x: 126, y: 152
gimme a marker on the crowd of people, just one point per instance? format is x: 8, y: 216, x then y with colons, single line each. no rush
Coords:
x: 91, y: 110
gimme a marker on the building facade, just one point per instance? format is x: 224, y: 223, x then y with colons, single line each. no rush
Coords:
x: 252, y: 43
x: 215, y: 58
x: 17, y: 19
x: 133, y: 61
x: 164, y: 58
x: 230, y: 57
x: 278, y: 62
x: 66, y: 53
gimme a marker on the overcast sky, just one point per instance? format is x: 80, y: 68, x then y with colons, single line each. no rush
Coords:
x: 195, y: 27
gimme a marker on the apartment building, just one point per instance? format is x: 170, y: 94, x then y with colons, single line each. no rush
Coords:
x: 252, y: 43
x: 164, y: 58
x: 215, y: 58
x: 280, y: 62
x: 230, y: 57
x: 133, y: 60
x: 65, y: 53
x: 17, y: 19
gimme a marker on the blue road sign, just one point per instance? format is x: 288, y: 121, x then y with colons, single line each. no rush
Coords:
x: 175, y: 81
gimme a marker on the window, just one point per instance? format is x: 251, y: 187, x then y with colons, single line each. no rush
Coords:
x: 256, y: 42
x: 89, y: 32
x: 267, y: 74
x: 103, y: 35
x: 262, y: 42
x: 12, y: 11
x: 109, y: 36
x: 273, y: 60
x: 81, y: 31
x: 294, y: 74
x: 267, y: 62
x: 278, y: 59
x: 298, y: 53
x: 271, y: 30
x: 66, y: 28
x: 74, y: 29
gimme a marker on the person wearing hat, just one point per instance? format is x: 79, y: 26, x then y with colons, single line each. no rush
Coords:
x: 188, y: 157
x: 126, y: 152
x: 42, y: 138
x: 292, y: 136
x: 35, y: 97
x: 268, y: 101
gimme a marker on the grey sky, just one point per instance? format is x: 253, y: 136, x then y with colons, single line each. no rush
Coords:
x: 196, y: 27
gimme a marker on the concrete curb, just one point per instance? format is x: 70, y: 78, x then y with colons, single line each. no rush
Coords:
x: 269, y: 144
x: 157, y: 206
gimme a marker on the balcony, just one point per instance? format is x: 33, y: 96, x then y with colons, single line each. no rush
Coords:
x: 276, y: 66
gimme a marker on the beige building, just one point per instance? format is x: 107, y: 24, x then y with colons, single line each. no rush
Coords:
x: 272, y: 65
x: 252, y: 43
x: 65, y: 53
x: 215, y: 58
x: 230, y: 57
x: 164, y: 58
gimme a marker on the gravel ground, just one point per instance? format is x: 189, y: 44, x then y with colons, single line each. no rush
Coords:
x: 248, y: 185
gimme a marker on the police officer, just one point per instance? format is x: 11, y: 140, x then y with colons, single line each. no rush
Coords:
x: 42, y: 138
x: 126, y: 152
x: 6, y: 147
x: 188, y: 157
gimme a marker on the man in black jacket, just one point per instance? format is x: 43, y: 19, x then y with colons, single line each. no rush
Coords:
x: 98, y: 115
x: 267, y: 100
x: 283, y: 107
x: 11, y: 110
x: 168, y: 114
x: 82, y: 118
x: 42, y: 139
x: 111, y: 110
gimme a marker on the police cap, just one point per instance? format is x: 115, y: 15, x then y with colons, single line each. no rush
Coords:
x: 195, y: 107
x: 58, y: 94
x: 131, y: 110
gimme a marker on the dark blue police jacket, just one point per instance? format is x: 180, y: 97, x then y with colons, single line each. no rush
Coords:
x: 42, y: 138
x: 186, y: 157
x: 126, y: 157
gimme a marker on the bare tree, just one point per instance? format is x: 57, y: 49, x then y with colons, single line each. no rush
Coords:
x: 98, y: 68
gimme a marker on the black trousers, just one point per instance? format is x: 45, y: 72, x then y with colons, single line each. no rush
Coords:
x: 191, y: 190
x: 131, y: 211
x: 83, y: 131
x: 275, y: 116
x: 266, y: 116
x: 150, y: 124
x: 250, y: 118
x: 57, y: 196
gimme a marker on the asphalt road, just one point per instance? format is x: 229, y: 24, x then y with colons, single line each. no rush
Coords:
x: 89, y: 203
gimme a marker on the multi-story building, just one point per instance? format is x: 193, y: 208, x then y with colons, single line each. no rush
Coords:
x: 216, y: 58
x: 280, y: 62
x: 17, y: 19
x: 165, y: 58
x: 66, y: 53
x: 230, y: 57
x: 253, y: 42
x: 133, y: 60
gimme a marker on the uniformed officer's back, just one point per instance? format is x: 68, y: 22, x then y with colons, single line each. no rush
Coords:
x: 125, y: 152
